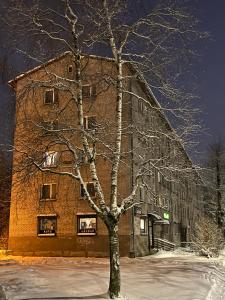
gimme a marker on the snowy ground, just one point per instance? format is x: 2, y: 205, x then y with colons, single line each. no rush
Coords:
x: 165, y: 276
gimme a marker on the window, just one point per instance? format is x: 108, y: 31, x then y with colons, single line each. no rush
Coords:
x: 47, y: 225
x: 67, y: 157
x: 142, y: 193
x: 48, y: 191
x: 90, y: 122
x: 50, y: 159
x: 90, y: 188
x: 143, y: 227
x: 70, y: 69
x: 51, y: 96
x: 86, y: 224
x: 88, y: 91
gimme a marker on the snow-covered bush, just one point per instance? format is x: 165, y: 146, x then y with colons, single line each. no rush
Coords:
x: 207, y: 237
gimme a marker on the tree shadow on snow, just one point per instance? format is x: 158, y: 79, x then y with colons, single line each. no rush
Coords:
x: 102, y: 296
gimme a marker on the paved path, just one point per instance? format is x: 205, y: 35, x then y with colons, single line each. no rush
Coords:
x: 144, y: 279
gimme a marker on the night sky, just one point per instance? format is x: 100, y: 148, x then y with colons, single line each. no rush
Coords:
x: 209, y: 72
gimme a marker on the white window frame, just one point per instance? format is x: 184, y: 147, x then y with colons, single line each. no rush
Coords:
x: 51, y: 159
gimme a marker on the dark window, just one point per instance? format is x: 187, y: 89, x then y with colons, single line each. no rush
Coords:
x: 47, y: 225
x: 51, y: 96
x: 89, y: 91
x: 86, y: 224
x: 90, y: 188
x: 70, y: 69
x: 90, y: 122
x: 48, y: 191
x: 86, y: 91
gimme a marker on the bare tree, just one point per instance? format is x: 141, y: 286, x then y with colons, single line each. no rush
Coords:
x: 215, y: 178
x: 143, y: 50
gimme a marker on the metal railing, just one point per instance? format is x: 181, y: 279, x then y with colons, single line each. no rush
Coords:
x: 164, y: 245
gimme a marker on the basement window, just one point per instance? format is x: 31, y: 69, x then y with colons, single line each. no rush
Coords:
x: 86, y: 224
x: 47, y: 225
x: 48, y: 191
x: 51, y: 96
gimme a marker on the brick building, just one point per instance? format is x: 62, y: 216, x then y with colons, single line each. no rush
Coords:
x: 48, y: 214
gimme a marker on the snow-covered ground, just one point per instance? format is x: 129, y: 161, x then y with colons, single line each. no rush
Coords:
x: 164, y: 276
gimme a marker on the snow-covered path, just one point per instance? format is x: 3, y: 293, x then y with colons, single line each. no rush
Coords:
x: 148, y: 278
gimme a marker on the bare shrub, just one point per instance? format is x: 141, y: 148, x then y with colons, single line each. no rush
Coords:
x: 208, y: 237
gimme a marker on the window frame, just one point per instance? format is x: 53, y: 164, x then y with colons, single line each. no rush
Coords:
x: 53, y: 96
x: 86, y: 122
x: 49, y: 234
x: 50, y: 192
x: 91, y: 95
x: 53, y: 156
x: 86, y: 216
x: 143, y: 231
x: 86, y: 183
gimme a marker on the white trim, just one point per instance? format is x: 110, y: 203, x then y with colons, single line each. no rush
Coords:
x: 88, y: 213
x: 47, y: 215
x: 46, y: 234
x: 87, y: 233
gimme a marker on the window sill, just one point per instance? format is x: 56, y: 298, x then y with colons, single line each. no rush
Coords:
x: 48, y: 199
x: 46, y: 234
x: 88, y: 233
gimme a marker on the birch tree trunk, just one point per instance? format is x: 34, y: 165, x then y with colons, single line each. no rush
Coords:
x: 114, y: 282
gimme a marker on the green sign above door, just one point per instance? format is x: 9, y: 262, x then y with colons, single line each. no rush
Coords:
x: 166, y: 216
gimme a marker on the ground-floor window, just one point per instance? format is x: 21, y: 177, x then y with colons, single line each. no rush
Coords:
x: 47, y: 225
x: 86, y: 224
x: 143, y: 225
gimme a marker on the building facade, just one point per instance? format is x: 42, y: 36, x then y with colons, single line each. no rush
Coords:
x: 48, y: 214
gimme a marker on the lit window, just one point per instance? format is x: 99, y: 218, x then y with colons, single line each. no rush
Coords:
x: 50, y: 159
x: 143, y: 228
x: 51, y: 96
x: 47, y: 225
x: 48, y: 191
x: 90, y: 122
x: 86, y: 224
x: 90, y: 188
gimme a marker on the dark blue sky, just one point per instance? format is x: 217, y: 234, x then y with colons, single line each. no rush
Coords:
x: 211, y: 72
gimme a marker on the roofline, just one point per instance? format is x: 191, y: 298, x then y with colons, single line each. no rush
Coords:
x: 13, y: 81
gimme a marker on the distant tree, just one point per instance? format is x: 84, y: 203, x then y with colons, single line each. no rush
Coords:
x: 153, y: 45
x: 215, y: 201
